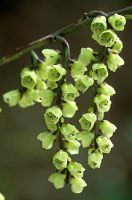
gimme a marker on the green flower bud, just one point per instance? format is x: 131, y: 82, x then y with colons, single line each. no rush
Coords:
x: 87, y: 121
x: 77, y: 68
x: 60, y: 160
x: 51, y: 127
x: 86, y: 56
x: 99, y: 24
x: 43, y: 70
x: 100, y: 116
x: 83, y: 82
x: 52, y: 115
x: 77, y: 185
x: 102, y: 102
x: 104, y: 144
x: 52, y: 85
x: 86, y: 138
x: 12, y: 97
x: 69, y: 131
x: 69, y: 109
x: 72, y: 146
x: 51, y: 56
x: 47, y: 139
x: 56, y: 72
x: 106, y: 89
x: 117, y: 22
x: 47, y: 97
x: 117, y: 46
x: 2, y: 197
x: 94, y: 158
x: 28, y: 78
x: 57, y: 179
x: 69, y: 92
x: 99, y: 72
x: 107, y: 38
x: 107, y: 128
x: 114, y: 61
x: 76, y: 169
x: 41, y: 85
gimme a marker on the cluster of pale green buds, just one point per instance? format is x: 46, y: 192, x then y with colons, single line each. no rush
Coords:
x: 44, y: 82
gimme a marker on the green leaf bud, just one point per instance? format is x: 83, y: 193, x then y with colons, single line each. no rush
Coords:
x: 107, y: 38
x: 51, y: 56
x: 12, y: 97
x: 28, y: 78
x: 99, y: 24
x: 117, y: 22
x: 117, y: 46
x: 69, y: 92
x: 60, y: 160
x: 99, y: 72
x: 57, y: 179
x: 76, y: 169
x: 94, y: 158
x: 114, y: 61
x: 77, y: 185
x: 69, y: 131
x: 47, y: 97
x: 52, y: 85
x: 107, y: 128
x: 102, y: 102
x: 2, y: 197
x: 86, y: 138
x: 83, y: 82
x: 56, y: 72
x: 87, y: 121
x: 52, y: 115
x: 47, y: 138
x: 104, y: 144
x: 106, y: 89
x: 72, y: 146
x: 86, y: 56
x: 77, y: 68
x: 69, y: 109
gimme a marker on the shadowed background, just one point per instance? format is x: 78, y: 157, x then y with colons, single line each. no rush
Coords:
x: 24, y: 166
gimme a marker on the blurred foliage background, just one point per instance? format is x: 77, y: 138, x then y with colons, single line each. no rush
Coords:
x: 24, y: 166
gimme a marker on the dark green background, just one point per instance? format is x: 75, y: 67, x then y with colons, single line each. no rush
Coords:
x: 24, y: 166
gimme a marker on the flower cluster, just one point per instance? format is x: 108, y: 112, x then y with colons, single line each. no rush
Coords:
x: 46, y: 83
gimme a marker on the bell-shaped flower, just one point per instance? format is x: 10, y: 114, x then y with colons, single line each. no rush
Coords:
x: 69, y: 92
x: 60, y: 160
x: 83, y: 82
x: 99, y: 24
x: 76, y: 169
x: 51, y: 127
x: 86, y: 56
x: 107, y: 38
x: 47, y: 97
x: 102, y: 102
x: 57, y: 179
x: 117, y: 46
x: 77, y: 68
x: 47, y: 138
x: 52, y: 84
x: 52, y: 115
x: 106, y: 89
x: 94, y: 158
x: 28, y: 78
x: 41, y: 85
x: 117, y: 22
x: 12, y: 97
x: 42, y: 70
x: 72, y: 146
x: 87, y: 121
x: 69, y: 109
x: 69, y: 131
x: 86, y: 138
x: 2, y: 197
x: 99, y: 72
x: 107, y: 128
x: 77, y: 184
x: 51, y: 56
x: 56, y: 72
x: 114, y: 61
x: 104, y: 144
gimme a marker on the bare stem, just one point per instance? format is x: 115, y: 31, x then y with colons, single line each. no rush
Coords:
x: 62, y: 32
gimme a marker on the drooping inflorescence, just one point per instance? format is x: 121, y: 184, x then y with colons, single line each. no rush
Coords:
x: 46, y: 83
